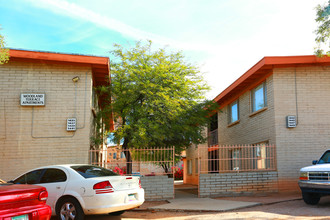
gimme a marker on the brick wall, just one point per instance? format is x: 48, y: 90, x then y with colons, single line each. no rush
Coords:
x: 236, y: 184
x: 301, y: 91
x: 297, y: 147
x: 35, y: 136
x: 158, y: 187
x: 251, y: 128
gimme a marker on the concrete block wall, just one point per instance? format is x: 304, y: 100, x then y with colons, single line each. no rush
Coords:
x: 236, y: 184
x: 158, y: 187
x: 36, y: 136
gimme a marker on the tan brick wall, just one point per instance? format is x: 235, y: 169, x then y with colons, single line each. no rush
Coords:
x: 37, y: 136
x: 297, y: 147
x: 251, y: 129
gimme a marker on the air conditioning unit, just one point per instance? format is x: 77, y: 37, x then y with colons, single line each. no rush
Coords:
x: 291, y: 121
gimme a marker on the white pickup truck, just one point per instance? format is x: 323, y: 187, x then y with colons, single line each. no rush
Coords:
x: 314, y: 181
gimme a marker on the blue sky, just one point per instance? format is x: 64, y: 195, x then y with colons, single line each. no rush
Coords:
x: 224, y: 37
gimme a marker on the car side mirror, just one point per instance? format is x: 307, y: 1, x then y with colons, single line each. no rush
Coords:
x: 314, y: 162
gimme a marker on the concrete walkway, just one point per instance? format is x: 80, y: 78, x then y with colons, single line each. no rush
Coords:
x: 186, y: 199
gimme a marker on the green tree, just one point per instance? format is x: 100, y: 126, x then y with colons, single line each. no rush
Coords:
x: 323, y: 29
x: 158, y: 99
x: 4, y: 53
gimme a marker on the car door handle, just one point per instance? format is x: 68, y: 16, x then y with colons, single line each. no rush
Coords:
x: 58, y: 187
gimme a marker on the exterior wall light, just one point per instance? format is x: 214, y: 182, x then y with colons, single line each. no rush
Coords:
x: 75, y: 79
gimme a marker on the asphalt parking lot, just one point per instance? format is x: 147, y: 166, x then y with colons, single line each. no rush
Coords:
x: 292, y: 209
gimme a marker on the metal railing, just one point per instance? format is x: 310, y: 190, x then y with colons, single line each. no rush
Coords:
x: 146, y: 161
x: 236, y: 158
x: 213, y: 137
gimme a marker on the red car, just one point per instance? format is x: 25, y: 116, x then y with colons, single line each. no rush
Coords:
x: 23, y: 202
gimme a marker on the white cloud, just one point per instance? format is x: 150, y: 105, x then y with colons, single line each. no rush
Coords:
x: 75, y: 11
x: 230, y: 36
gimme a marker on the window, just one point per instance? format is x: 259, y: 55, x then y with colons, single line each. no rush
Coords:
x: 233, y: 112
x: 114, y: 155
x: 325, y: 158
x: 189, y: 167
x: 53, y: 176
x: 196, y: 165
x: 32, y: 177
x: 90, y: 171
x: 259, y: 97
x: 260, y: 152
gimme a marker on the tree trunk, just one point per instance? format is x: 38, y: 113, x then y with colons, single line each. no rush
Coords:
x: 166, y: 169
x: 128, y: 157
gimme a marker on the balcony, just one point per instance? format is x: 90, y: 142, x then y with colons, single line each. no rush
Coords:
x: 213, y: 138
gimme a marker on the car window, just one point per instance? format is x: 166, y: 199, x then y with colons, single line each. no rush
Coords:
x: 53, y: 175
x: 89, y: 171
x: 32, y: 177
x: 325, y: 158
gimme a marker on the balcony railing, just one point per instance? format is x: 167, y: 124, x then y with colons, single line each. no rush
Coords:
x: 213, y: 138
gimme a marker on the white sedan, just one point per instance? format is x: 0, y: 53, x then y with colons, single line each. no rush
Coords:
x: 76, y: 190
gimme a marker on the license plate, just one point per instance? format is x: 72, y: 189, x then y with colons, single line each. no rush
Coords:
x: 21, y: 217
x: 131, y: 197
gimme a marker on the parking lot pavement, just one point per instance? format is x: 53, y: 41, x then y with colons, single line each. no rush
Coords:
x: 187, y: 201
x: 295, y: 209
x: 280, y: 206
x: 267, y: 199
x: 203, y: 205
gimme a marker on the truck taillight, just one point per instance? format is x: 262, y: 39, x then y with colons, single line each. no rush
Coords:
x: 103, y: 187
x: 140, y: 184
x: 43, y: 195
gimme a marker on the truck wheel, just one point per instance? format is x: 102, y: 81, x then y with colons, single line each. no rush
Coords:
x: 311, y: 198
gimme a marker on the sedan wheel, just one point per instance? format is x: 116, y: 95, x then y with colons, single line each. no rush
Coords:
x: 69, y: 209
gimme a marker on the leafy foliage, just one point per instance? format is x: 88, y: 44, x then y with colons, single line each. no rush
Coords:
x: 120, y: 171
x: 4, y: 53
x: 323, y: 30
x: 158, y: 98
x: 178, y: 173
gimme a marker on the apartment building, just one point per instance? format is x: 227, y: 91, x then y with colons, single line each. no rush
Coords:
x: 48, y: 103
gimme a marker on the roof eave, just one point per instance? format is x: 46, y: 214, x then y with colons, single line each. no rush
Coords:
x: 265, y: 67
x: 100, y: 65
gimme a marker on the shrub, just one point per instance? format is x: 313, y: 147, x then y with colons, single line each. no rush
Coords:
x: 178, y: 173
x: 120, y: 171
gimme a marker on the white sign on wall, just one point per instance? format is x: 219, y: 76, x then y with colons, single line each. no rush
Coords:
x: 33, y: 99
x: 71, y: 124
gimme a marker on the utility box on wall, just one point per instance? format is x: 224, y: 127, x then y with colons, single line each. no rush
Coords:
x: 291, y: 121
x: 71, y: 124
